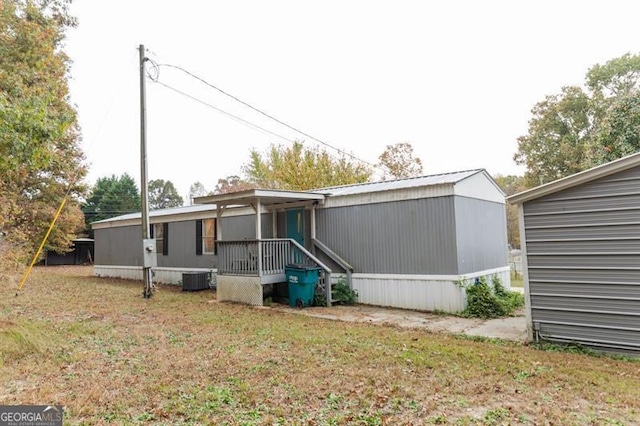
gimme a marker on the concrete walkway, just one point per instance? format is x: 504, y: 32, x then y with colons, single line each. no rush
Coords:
x: 511, y: 328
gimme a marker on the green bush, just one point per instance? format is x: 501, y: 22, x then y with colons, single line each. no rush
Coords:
x: 319, y: 299
x: 484, y: 301
x: 344, y: 294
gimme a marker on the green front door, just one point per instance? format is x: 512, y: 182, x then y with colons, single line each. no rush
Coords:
x: 295, y: 225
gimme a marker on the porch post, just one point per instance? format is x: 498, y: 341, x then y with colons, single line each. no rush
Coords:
x: 274, y: 224
x: 313, y: 228
x: 219, y: 211
x: 313, y: 222
x: 258, y: 209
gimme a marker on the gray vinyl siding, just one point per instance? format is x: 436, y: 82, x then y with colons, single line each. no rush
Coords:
x: 244, y: 227
x: 583, y: 254
x: 238, y: 227
x: 481, y: 235
x: 122, y: 246
x: 182, y: 248
x: 404, y: 237
x: 118, y: 246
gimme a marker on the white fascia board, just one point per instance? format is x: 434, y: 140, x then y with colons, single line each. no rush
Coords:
x: 178, y: 217
x: 295, y: 195
x: 480, y: 186
x: 265, y: 196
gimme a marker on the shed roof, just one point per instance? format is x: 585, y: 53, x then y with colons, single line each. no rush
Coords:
x: 576, y: 179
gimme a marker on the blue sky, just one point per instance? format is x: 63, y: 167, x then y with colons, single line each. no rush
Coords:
x: 456, y: 79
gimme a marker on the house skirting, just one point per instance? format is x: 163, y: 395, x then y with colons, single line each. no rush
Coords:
x: 162, y: 275
x: 419, y: 292
x: 239, y: 288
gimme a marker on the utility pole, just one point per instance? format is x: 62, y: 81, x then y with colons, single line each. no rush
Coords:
x: 148, y: 245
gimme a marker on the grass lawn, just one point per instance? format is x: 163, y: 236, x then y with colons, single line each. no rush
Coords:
x: 107, y: 355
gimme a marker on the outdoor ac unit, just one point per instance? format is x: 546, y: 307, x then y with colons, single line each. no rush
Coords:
x: 194, y: 281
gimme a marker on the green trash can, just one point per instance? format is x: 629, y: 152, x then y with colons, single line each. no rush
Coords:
x: 302, y: 281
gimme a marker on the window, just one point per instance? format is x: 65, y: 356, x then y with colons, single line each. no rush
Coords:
x: 160, y: 231
x: 209, y: 236
x: 206, y: 236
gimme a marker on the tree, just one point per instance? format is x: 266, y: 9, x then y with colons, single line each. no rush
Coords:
x: 619, y: 132
x: 40, y: 158
x: 162, y: 195
x: 617, y: 77
x: 583, y: 127
x: 300, y: 168
x: 110, y: 197
x: 558, y: 138
x: 196, y: 189
x: 398, y: 162
x: 232, y: 184
x: 511, y: 184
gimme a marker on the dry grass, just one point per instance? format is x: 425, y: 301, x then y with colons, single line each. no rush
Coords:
x: 110, y: 356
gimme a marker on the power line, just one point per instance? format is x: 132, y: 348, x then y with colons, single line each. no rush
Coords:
x: 157, y: 69
x: 233, y: 117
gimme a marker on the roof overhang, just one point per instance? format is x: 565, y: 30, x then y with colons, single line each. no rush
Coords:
x: 269, y: 198
x: 594, y: 173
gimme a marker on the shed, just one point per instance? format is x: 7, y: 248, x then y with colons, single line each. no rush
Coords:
x: 81, y: 253
x: 580, y: 240
x: 401, y: 243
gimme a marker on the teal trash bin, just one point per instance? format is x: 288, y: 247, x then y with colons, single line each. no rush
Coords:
x: 302, y: 281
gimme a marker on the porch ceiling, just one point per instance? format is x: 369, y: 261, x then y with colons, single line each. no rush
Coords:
x: 267, y: 197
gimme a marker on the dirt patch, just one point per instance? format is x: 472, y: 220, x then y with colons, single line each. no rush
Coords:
x: 512, y: 328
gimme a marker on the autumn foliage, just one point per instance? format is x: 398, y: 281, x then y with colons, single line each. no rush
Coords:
x: 40, y: 157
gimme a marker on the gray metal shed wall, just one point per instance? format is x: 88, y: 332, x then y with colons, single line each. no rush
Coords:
x: 583, y: 255
x: 403, y: 237
x: 481, y: 235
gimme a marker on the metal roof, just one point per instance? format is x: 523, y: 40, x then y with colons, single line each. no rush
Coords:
x: 164, y: 212
x: 576, y: 179
x: 389, y: 185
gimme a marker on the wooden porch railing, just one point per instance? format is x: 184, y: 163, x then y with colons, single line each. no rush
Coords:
x: 268, y: 257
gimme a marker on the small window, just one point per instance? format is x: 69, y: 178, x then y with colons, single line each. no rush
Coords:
x: 206, y: 236
x: 209, y: 236
x: 161, y: 234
